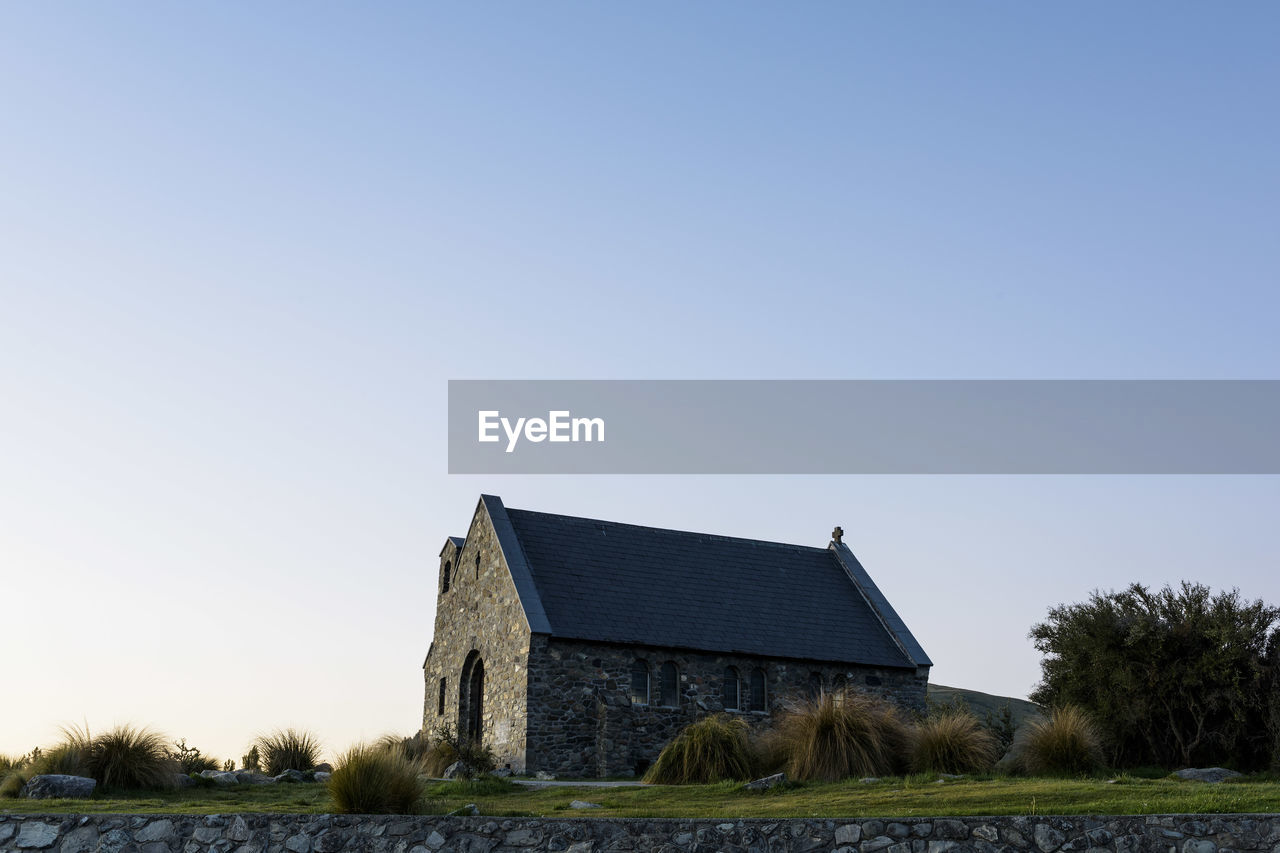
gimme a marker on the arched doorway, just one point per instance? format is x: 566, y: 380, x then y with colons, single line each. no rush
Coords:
x: 471, y: 698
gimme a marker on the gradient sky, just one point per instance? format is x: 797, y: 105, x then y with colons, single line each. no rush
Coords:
x: 244, y: 246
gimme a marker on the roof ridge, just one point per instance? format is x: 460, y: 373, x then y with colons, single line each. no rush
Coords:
x: 673, y: 530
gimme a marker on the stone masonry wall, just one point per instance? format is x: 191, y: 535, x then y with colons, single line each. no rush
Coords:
x: 272, y: 833
x: 481, y: 612
x: 582, y: 721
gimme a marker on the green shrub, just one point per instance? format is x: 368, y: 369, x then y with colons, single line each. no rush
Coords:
x: 371, y: 779
x: 825, y: 739
x: 439, y: 758
x: 1066, y: 744
x: 190, y: 760
x: 129, y: 758
x: 286, y: 749
x: 952, y: 742
x: 473, y: 758
x: 251, y: 760
x: 713, y: 749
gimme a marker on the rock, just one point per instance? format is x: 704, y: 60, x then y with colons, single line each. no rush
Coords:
x: 1047, y: 838
x: 221, y: 777
x: 850, y: 833
x: 58, y: 785
x: 182, y: 780
x: 291, y: 776
x: 323, y: 767
x: 501, y: 772
x: 767, y: 782
x: 323, y: 775
x: 160, y: 830
x: 544, y: 776
x: 452, y: 771
x: 583, y: 804
x: 248, y: 777
x: 37, y: 835
x: 1207, y: 774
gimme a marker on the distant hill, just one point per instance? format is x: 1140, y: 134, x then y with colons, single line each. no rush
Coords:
x: 981, y: 703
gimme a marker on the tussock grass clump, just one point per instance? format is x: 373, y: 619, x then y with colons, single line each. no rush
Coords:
x: 952, y: 742
x: 826, y: 740
x: 415, y: 747
x: 1066, y: 744
x: 131, y: 758
x: 288, y: 749
x: 372, y: 779
x: 711, y: 750
x: 125, y: 758
x: 12, y: 780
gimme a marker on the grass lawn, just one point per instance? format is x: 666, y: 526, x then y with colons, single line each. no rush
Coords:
x: 912, y: 796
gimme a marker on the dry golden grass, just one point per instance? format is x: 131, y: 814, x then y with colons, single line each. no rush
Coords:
x: 952, y: 742
x: 1066, y: 744
x: 827, y: 740
x: 713, y: 749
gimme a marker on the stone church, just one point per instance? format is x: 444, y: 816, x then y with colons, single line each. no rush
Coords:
x: 581, y: 647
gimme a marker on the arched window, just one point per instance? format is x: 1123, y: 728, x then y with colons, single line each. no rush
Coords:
x: 759, y: 697
x: 839, y: 688
x: 815, y: 685
x: 670, y: 681
x: 477, y: 565
x: 444, y: 576
x: 732, y: 683
x: 444, y: 688
x: 640, y: 682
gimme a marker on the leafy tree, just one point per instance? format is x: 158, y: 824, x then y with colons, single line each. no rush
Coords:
x: 1176, y: 677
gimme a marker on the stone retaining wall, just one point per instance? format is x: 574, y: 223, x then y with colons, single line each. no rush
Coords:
x: 267, y: 833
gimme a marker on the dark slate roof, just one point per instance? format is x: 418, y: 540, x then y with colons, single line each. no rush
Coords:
x: 457, y: 541
x: 613, y: 582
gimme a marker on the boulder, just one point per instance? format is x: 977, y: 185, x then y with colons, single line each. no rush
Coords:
x: 544, y: 776
x: 248, y: 777
x: 452, y: 771
x: 1207, y: 774
x: 58, y: 786
x: 767, y: 782
x: 221, y: 777
x: 182, y: 780
x: 583, y: 804
x: 322, y: 775
x: 323, y: 767
x: 501, y: 772
x: 291, y: 776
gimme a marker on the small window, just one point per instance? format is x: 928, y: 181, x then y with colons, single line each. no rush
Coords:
x: 477, y: 565
x: 670, y: 685
x: 815, y: 685
x: 444, y: 686
x: 640, y: 682
x: 444, y: 576
x: 759, y: 698
x: 732, y: 681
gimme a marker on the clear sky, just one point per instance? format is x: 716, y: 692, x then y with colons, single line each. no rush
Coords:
x: 244, y: 246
